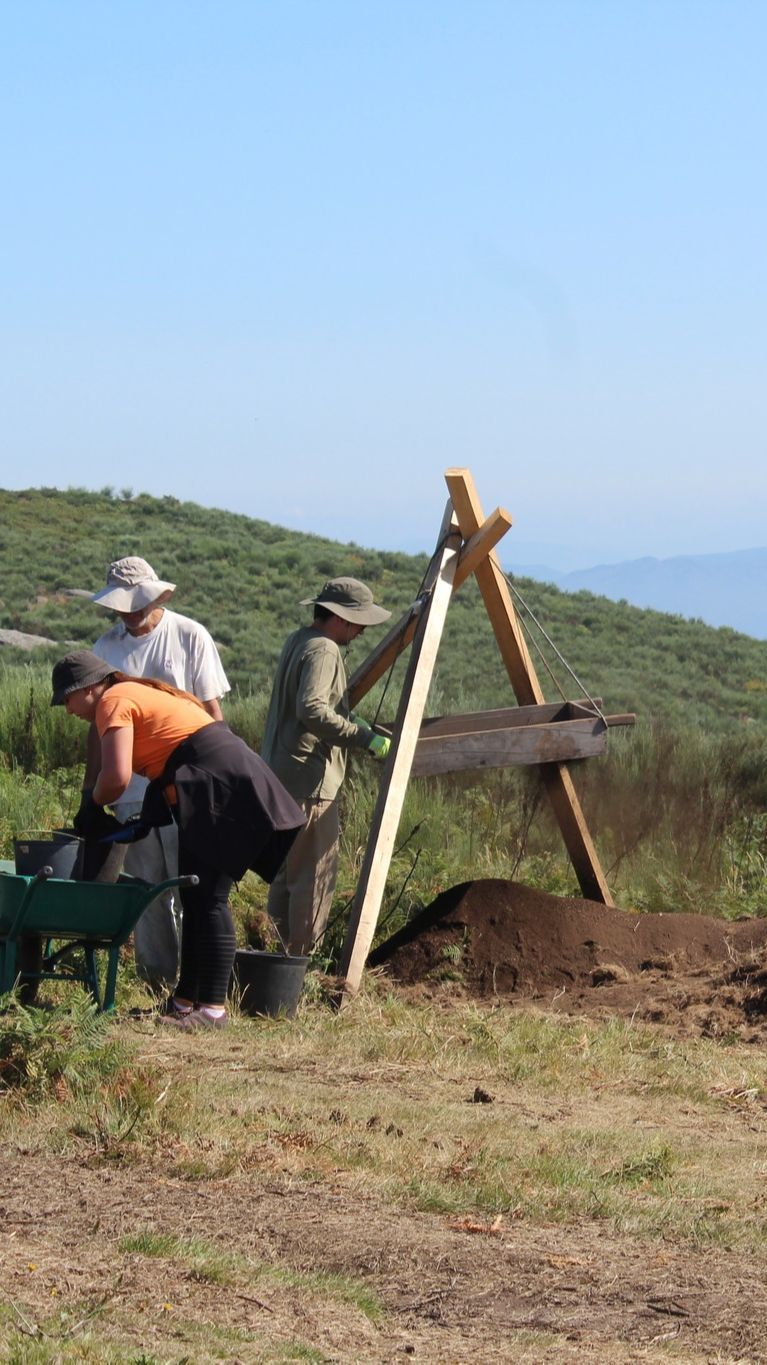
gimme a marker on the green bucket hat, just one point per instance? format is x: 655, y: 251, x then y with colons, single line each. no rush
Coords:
x: 349, y: 599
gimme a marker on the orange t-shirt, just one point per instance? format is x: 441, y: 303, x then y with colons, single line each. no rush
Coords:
x: 159, y: 722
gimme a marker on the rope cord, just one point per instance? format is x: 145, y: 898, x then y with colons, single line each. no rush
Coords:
x: 584, y: 690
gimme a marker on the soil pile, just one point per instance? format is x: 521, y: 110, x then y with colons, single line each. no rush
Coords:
x: 500, y: 939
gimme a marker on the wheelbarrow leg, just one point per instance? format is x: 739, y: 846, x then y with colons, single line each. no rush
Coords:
x: 9, y: 946
x: 7, y: 965
x: 91, y: 972
x: 110, y: 982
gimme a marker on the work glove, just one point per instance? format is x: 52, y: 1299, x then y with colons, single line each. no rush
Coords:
x: 134, y: 829
x: 92, y: 821
x: 379, y: 746
x: 86, y: 799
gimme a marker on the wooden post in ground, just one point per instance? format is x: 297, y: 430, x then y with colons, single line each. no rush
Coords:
x: 527, y: 689
x: 391, y: 795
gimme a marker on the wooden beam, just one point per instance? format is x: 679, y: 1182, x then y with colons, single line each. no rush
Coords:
x: 380, y: 659
x: 527, y: 689
x: 391, y: 795
x: 473, y: 722
x: 399, y: 636
x: 480, y: 544
x: 556, y: 742
x: 495, y: 592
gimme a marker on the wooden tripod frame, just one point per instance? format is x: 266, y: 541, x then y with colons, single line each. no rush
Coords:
x: 466, y: 545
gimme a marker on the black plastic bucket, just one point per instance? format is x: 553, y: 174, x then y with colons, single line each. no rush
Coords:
x: 268, y: 983
x: 58, y: 850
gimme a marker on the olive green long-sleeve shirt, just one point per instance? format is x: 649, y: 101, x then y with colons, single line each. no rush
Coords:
x: 308, y: 729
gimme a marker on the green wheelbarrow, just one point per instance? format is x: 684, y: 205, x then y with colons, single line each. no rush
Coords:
x: 83, y: 917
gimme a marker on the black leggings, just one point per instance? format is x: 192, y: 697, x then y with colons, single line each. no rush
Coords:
x: 207, y: 931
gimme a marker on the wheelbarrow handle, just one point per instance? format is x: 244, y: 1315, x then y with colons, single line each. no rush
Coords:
x: 172, y: 883
x: 40, y: 876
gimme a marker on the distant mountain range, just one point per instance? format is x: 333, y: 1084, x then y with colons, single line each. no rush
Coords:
x: 722, y: 589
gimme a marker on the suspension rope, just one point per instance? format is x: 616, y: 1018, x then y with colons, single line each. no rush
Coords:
x: 584, y: 690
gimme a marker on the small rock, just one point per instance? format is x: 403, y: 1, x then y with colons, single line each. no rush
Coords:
x: 20, y: 639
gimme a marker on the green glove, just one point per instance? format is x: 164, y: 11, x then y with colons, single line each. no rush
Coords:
x: 379, y: 746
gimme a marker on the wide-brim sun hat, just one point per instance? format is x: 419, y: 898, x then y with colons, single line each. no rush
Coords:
x: 351, y: 600
x: 81, y: 669
x: 132, y: 585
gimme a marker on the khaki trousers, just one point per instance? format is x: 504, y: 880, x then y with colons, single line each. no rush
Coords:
x: 301, y: 894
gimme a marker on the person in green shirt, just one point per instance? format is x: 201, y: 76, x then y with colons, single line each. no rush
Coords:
x: 308, y: 731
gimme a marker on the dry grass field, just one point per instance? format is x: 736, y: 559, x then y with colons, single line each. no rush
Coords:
x: 441, y: 1179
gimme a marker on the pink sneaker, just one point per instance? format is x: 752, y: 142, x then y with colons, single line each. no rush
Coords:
x: 195, y: 1019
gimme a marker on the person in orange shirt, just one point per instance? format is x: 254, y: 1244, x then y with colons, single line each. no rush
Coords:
x: 232, y: 812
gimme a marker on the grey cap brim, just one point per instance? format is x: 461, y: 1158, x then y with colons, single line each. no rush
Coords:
x: 81, y: 669
x: 150, y: 593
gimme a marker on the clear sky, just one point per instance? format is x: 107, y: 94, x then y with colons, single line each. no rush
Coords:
x: 297, y: 257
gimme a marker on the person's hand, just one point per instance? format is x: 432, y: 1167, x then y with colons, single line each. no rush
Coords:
x: 379, y: 746
x: 92, y: 821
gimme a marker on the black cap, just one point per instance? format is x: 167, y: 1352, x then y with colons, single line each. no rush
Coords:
x: 82, y: 669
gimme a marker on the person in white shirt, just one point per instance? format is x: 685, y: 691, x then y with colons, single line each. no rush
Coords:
x: 149, y: 641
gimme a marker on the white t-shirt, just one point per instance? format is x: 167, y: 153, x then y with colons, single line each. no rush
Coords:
x: 178, y: 651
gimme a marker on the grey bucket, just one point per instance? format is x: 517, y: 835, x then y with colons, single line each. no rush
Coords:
x: 57, y: 850
x: 268, y: 983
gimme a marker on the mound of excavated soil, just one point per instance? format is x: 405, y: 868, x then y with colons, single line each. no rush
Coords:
x: 501, y: 939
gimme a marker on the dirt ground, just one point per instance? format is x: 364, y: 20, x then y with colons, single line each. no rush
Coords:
x: 453, y: 1290
x: 451, y: 1293
x: 690, y: 973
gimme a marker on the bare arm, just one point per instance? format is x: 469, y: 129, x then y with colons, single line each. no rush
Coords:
x: 213, y: 708
x: 116, y: 765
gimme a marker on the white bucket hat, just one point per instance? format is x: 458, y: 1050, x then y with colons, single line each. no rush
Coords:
x: 132, y: 584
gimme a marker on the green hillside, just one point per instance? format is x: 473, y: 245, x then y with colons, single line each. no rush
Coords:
x: 244, y: 578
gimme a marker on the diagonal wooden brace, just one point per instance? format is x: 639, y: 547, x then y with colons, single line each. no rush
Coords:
x: 474, y: 550
x: 527, y: 689
x: 394, y: 780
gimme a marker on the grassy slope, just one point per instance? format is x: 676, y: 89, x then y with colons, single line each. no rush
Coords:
x: 244, y: 579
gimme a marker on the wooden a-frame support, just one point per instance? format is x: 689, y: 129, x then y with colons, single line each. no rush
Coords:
x: 466, y: 545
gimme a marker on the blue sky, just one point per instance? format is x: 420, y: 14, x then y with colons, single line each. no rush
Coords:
x: 295, y: 259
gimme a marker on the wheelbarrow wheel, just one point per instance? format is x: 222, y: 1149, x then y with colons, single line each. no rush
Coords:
x: 29, y: 961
